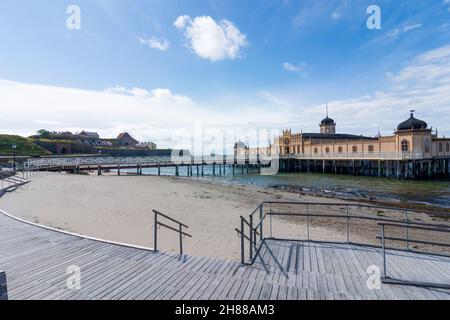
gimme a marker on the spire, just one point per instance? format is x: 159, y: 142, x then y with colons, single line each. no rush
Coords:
x: 327, y: 110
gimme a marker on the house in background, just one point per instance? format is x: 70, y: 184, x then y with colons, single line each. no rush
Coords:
x: 92, y: 138
x: 91, y: 135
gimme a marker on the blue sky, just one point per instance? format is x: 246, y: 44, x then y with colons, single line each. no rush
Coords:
x: 282, y: 58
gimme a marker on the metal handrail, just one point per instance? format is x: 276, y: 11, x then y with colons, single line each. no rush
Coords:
x: 386, y: 278
x: 257, y: 228
x: 252, y: 238
x: 179, y: 230
x: 13, y: 180
x: 357, y: 205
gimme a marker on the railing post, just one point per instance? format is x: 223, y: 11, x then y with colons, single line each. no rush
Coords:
x: 155, y: 233
x: 307, y: 221
x: 261, y: 222
x: 407, y: 229
x: 348, y: 225
x: 270, y: 215
x: 383, y: 240
x: 242, y: 241
x: 255, y: 240
x: 181, y: 240
x: 251, y: 237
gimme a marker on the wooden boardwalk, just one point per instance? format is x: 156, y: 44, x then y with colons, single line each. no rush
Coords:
x: 36, y: 260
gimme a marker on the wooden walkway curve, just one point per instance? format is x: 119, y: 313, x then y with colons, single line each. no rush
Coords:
x: 36, y: 259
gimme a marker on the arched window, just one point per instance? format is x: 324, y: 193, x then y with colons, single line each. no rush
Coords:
x: 440, y: 147
x: 340, y: 150
x: 355, y: 149
x: 405, y: 146
x: 327, y: 150
x: 447, y: 147
x: 371, y: 149
x: 427, y: 146
x: 316, y: 150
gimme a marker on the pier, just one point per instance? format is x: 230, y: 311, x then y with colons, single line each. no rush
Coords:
x: 191, y: 165
x: 386, y: 165
x: 390, y: 166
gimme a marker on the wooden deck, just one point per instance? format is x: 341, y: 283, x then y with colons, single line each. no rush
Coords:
x: 36, y: 259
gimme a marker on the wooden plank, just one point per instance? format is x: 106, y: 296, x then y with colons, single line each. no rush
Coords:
x: 36, y: 261
x: 266, y: 291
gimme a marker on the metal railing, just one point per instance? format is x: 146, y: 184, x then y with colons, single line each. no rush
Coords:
x: 94, y: 161
x: 426, y: 227
x: 179, y: 230
x: 355, y: 156
x: 252, y: 228
x: 56, y: 162
x: 12, y: 179
x: 51, y: 162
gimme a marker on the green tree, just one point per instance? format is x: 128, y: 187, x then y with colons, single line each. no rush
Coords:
x: 44, y: 134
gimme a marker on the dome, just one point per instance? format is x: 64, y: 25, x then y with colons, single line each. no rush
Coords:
x: 327, y: 120
x: 412, y: 124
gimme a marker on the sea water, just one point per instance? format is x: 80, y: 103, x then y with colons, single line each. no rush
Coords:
x: 428, y: 192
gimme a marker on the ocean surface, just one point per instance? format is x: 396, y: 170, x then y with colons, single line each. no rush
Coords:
x: 433, y: 193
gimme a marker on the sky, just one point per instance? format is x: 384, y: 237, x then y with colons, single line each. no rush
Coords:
x: 161, y: 68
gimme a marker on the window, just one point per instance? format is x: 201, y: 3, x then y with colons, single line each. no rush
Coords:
x: 440, y: 147
x: 371, y: 148
x: 327, y: 150
x: 447, y: 147
x: 405, y: 146
x: 355, y: 149
x: 340, y: 150
x: 427, y: 146
x: 316, y: 150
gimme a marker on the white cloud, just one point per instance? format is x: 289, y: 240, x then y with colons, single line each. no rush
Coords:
x: 412, y: 27
x: 158, y: 115
x: 159, y: 96
x: 300, y: 67
x: 168, y: 118
x: 212, y: 40
x: 181, y: 21
x: 336, y: 15
x: 404, y: 29
x: 47, y: 122
x: 156, y: 43
x: 424, y: 85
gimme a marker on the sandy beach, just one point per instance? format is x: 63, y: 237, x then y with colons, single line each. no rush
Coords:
x: 120, y: 209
